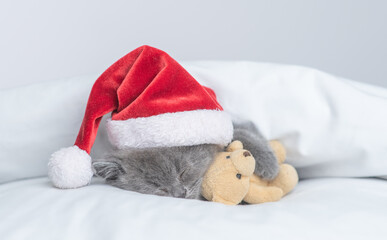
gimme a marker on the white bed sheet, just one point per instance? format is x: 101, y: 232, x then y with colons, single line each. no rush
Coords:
x: 339, y: 130
x: 335, y: 208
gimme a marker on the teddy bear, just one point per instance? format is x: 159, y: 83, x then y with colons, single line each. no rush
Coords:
x: 230, y: 179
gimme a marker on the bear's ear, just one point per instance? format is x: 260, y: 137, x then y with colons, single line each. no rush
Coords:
x: 235, y: 145
x: 108, y: 170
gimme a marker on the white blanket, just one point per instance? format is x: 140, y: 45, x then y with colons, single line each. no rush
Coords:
x: 316, y: 209
x: 330, y: 126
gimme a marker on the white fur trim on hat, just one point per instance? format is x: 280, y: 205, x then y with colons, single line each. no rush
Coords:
x: 70, y: 168
x: 172, y: 129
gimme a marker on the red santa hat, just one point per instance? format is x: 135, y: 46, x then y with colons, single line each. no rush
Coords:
x: 154, y: 102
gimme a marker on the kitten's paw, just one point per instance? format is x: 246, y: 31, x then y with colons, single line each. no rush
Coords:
x: 267, y: 171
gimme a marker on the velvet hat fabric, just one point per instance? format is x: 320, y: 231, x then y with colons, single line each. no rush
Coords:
x: 154, y: 102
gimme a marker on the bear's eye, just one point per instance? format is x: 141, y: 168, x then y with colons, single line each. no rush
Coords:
x: 228, y: 157
x: 238, y: 175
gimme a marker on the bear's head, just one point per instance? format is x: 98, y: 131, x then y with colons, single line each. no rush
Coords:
x: 227, y: 179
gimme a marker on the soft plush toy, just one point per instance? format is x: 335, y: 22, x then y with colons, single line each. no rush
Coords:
x: 230, y: 179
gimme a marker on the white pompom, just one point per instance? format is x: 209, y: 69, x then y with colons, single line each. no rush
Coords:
x: 70, y: 168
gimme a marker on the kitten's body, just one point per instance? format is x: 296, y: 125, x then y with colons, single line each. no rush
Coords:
x: 178, y: 171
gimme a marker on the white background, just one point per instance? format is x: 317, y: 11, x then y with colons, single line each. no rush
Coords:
x: 47, y: 40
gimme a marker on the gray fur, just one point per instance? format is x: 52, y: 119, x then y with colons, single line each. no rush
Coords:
x: 174, y: 171
x: 178, y: 171
x: 266, y: 165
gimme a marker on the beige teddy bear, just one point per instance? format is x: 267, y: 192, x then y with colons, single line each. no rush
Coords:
x: 230, y: 179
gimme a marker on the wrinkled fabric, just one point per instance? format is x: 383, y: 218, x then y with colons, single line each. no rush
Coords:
x: 330, y: 126
x: 316, y: 209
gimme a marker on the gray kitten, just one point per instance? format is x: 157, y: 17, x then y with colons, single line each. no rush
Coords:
x: 178, y: 171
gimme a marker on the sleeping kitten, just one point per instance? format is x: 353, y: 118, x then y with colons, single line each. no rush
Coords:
x: 169, y: 171
x: 178, y: 171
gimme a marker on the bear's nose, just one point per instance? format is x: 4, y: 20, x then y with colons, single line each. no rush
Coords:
x: 246, y: 154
